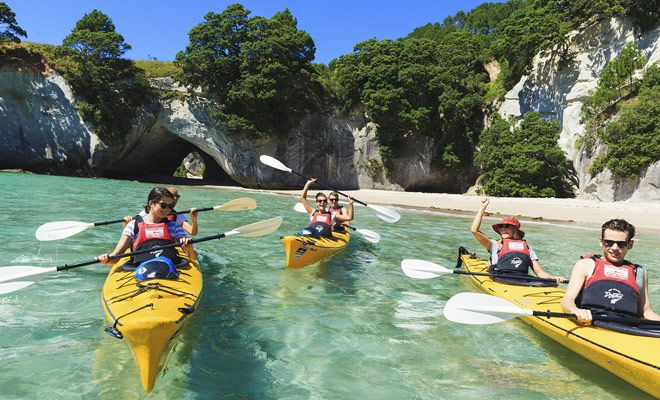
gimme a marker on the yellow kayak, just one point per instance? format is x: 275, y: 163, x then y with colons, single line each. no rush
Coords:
x: 150, y: 314
x: 633, y: 358
x: 305, y: 250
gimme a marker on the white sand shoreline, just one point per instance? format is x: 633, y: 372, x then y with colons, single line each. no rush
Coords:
x: 587, y: 213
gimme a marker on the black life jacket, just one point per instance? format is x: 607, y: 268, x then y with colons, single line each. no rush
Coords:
x: 514, y: 256
x: 612, y: 287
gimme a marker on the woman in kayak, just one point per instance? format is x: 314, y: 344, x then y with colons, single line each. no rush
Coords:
x: 322, y: 219
x: 189, y: 227
x: 510, y: 254
x: 153, y: 231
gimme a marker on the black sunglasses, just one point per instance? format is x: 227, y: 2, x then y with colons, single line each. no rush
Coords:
x: 331, y: 199
x: 506, y: 226
x: 322, y: 201
x: 621, y: 243
x: 162, y: 204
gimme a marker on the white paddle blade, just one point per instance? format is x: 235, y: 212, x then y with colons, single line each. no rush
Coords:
x: 244, y: 203
x: 258, y: 228
x: 272, y: 162
x: 300, y: 207
x: 421, y: 269
x: 371, y: 236
x: 481, y: 309
x: 385, y: 213
x: 60, y: 230
x: 17, y: 277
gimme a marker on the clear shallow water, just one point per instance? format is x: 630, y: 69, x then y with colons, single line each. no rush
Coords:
x: 352, y: 327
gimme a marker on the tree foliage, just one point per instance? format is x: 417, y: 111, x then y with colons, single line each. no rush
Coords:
x: 524, y: 161
x: 111, y: 88
x: 9, y: 28
x: 418, y: 87
x: 259, y: 69
x: 617, y: 80
x: 633, y: 141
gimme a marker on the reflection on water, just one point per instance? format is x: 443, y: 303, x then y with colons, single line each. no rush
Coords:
x: 353, y: 326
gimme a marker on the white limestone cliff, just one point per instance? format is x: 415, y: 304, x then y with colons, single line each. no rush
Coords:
x: 558, y: 93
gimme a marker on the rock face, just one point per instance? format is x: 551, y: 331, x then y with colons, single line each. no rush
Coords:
x: 42, y: 131
x: 39, y: 126
x: 558, y: 93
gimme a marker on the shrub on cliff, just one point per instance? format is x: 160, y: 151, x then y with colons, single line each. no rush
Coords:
x: 111, y: 89
x: 259, y: 69
x: 525, y: 160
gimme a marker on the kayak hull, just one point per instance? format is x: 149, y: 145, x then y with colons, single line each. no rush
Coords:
x: 304, y: 250
x: 633, y: 358
x: 151, y: 314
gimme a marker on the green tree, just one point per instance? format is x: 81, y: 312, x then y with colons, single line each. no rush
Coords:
x: 418, y: 87
x: 111, y: 88
x: 633, y: 141
x: 9, y: 29
x: 524, y: 161
x: 259, y: 69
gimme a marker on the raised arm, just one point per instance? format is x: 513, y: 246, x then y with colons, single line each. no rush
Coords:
x: 483, y: 239
x: 342, y: 217
x: 303, y: 196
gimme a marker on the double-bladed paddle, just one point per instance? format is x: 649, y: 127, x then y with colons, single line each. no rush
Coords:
x: 371, y: 236
x: 64, y: 229
x: 384, y: 213
x: 17, y: 277
x: 421, y: 269
x: 482, y: 309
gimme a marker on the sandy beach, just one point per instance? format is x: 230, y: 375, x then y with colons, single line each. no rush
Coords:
x: 588, y: 213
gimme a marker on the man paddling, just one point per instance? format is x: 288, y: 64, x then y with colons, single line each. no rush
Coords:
x: 609, y: 284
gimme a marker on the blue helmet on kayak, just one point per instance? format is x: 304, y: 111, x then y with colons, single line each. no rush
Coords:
x: 156, y: 268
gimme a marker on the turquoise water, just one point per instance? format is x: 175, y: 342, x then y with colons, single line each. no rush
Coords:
x: 354, y: 327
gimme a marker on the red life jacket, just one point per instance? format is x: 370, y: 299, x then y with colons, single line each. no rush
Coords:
x: 318, y: 216
x: 514, y: 256
x: 612, y: 287
x: 152, y: 235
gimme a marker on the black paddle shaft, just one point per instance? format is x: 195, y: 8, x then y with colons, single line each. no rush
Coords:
x: 94, y: 261
x: 533, y: 278
x: 328, y: 187
x: 631, y: 321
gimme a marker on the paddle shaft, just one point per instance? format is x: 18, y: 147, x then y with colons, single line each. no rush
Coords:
x: 534, y: 278
x: 90, y: 262
x: 597, y: 318
x: 116, y: 221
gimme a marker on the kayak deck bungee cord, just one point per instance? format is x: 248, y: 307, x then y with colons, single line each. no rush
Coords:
x: 306, y: 250
x: 150, y: 314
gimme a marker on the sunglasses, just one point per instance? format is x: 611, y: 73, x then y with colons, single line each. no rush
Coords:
x: 331, y: 199
x: 621, y: 243
x: 321, y: 201
x: 506, y: 226
x: 162, y: 204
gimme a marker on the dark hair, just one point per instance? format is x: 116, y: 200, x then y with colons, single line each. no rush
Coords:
x: 620, y: 225
x: 155, y: 195
x: 320, y: 194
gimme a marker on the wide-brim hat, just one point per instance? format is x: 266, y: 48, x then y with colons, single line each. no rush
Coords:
x: 510, y: 221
